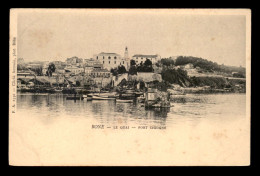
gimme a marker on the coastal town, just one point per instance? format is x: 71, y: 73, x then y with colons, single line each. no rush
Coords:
x: 145, y: 78
x: 129, y: 87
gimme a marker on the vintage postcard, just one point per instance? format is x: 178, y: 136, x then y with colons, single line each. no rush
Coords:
x: 129, y: 87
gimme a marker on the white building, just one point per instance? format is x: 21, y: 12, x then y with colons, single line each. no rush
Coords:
x: 112, y: 60
x: 92, y: 63
x: 138, y: 58
x: 100, y: 73
x: 88, y: 70
x: 74, y: 69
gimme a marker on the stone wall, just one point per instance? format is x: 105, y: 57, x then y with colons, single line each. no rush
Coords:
x: 102, y: 81
x: 146, y: 77
x: 119, y: 78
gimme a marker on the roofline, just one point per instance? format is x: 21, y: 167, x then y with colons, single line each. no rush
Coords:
x: 143, y: 55
x: 108, y: 53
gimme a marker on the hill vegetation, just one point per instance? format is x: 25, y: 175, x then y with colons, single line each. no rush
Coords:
x: 173, y: 74
x: 203, y: 64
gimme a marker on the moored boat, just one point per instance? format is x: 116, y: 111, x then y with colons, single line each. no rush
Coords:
x: 126, y: 98
x: 103, y: 94
x: 86, y: 97
x: 58, y: 91
x: 139, y: 94
x: 96, y: 97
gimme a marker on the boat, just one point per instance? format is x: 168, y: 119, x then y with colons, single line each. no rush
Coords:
x: 124, y: 101
x: 96, y: 97
x: 127, y: 96
x: 139, y: 94
x: 86, y: 97
x: 103, y: 94
x: 58, y: 90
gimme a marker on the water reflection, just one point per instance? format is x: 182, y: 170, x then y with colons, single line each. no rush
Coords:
x: 186, y: 108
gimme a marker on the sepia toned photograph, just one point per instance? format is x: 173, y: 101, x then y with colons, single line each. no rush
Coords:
x: 129, y: 87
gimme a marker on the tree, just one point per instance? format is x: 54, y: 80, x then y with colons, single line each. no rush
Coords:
x: 38, y: 71
x: 132, y: 70
x: 132, y: 62
x: 121, y: 69
x: 206, y: 65
x: 178, y: 76
x: 146, y: 67
x: 139, y: 68
x: 238, y: 75
x: 167, y: 62
x: 114, y: 71
x: 158, y: 64
x: 51, y: 69
x: 148, y: 63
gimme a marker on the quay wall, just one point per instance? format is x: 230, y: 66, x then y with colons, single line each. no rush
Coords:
x: 146, y: 77
x: 117, y: 79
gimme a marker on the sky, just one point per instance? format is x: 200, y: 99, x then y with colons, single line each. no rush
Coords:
x: 57, y: 35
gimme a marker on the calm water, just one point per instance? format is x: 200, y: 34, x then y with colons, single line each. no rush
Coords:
x: 50, y: 130
x: 188, y: 109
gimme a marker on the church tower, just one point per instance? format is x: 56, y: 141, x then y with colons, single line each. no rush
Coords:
x: 126, y: 53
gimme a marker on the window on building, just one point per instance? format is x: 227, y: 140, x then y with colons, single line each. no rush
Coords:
x: 115, y: 57
x: 97, y: 57
x: 141, y: 58
x: 123, y: 62
x: 103, y: 57
x: 115, y: 62
x: 109, y: 62
x: 136, y: 57
x: 109, y: 57
x: 103, y: 62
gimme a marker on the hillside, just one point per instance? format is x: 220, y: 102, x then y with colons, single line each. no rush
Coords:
x: 172, y: 74
x: 203, y: 64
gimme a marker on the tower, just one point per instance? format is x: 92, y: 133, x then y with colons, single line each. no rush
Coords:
x: 126, y: 53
